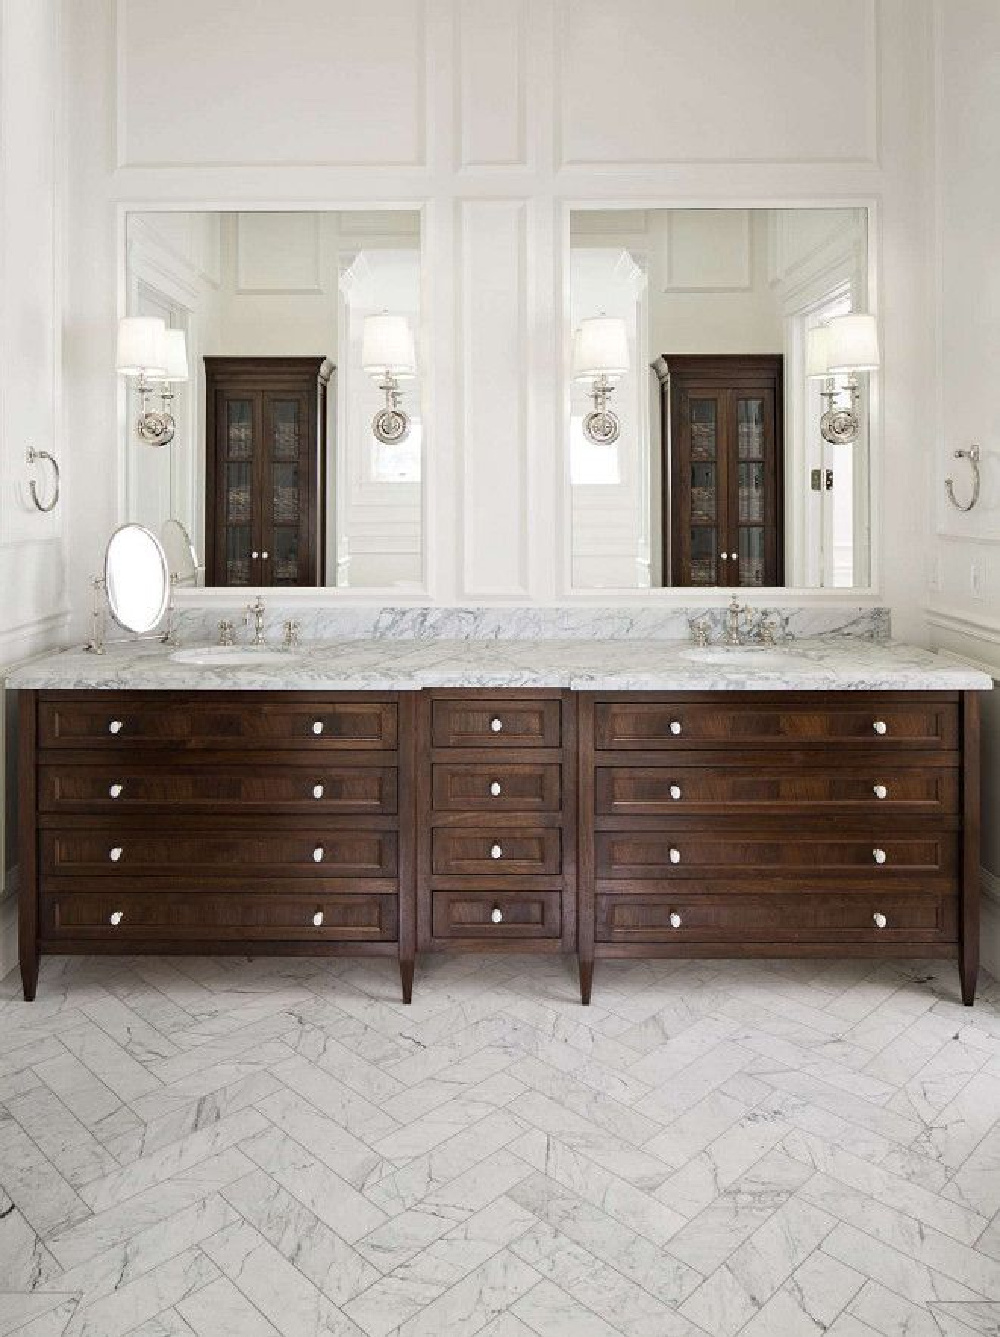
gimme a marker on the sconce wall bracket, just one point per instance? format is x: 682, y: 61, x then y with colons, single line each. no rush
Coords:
x: 601, y: 426
x: 841, y: 423
x: 155, y: 427
x: 391, y: 425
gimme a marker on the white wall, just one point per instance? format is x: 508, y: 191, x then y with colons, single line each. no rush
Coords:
x: 962, y: 570
x: 33, y: 608
x: 276, y: 113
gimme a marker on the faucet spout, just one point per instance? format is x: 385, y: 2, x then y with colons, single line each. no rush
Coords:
x: 733, y: 614
x: 257, y: 609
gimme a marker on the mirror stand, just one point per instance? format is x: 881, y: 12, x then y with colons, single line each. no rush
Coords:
x: 99, y: 641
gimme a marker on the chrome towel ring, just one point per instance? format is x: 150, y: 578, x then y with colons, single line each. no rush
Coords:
x: 973, y: 455
x: 34, y: 456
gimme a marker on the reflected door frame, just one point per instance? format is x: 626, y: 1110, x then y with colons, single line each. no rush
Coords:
x: 724, y: 380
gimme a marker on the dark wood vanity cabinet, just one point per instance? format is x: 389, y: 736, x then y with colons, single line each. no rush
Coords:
x: 722, y: 469
x: 209, y: 822
x: 265, y: 470
x: 779, y: 824
x: 496, y: 842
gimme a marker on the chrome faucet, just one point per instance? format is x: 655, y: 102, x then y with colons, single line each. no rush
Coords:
x: 257, y: 609
x: 733, y: 614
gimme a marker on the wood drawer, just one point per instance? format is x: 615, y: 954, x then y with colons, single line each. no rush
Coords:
x: 791, y: 723
x: 212, y: 915
x: 121, y: 851
x: 524, y: 914
x: 777, y: 918
x: 463, y: 851
x: 855, y: 790
x: 808, y: 858
x: 120, y: 784
x: 502, y: 722
x: 496, y: 787
x: 243, y: 720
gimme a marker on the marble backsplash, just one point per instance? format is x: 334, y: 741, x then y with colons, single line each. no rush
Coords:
x: 200, y: 625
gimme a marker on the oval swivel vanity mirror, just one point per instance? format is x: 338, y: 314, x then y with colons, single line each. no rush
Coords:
x: 136, y: 578
x: 182, y: 560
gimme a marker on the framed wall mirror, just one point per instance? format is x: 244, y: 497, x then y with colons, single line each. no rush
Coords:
x: 722, y: 365
x: 298, y: 449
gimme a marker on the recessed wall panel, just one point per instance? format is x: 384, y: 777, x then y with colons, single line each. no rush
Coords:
x: 492, y: 72
x: 300, y: 82
x: 649, y: 81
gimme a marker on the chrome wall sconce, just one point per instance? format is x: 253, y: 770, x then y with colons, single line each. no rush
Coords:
x: 388, y: 355
x: 974, y: 454
x: 844, y: 346
x: 600, y: 355
x: 148, y: 351
x: 37, y: 456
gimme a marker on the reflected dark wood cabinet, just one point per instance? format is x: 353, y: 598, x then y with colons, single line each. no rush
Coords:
x: 265, y: 470
x: 722, y: 473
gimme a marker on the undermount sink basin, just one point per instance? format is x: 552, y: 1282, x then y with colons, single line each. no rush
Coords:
x: 230, y: 656
x: 738, y: 656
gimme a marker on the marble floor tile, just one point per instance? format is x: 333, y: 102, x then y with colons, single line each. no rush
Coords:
x: 201, y: 1147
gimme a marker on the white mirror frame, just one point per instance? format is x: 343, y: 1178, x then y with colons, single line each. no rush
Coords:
x: 128, y: 537
x: 710, y: 596
x: 430, y: 314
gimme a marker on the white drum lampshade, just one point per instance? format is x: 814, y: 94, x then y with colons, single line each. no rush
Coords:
x: 852, y: 343
x: 387, y: 346
x: 175, y: 356
x: 600, y: 348
x: 817, y: 353
x: 141, y: 346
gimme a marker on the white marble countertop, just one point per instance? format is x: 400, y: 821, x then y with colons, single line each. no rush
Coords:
x: 814, y: 664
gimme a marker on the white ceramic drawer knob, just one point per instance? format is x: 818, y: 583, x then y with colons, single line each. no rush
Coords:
x: 878, y: 856
x: 881, y: 791
x: 879, y: 919
x: 317, y: 727
x: 115, y: 790
x: 496, y: 852
x: 675, y: 792
x: 116, y: 917
x: 880, y: 727
x: 675, y: 727
x: 495, y: 789
x: 318, y: 854
x: 496, y: 915
x: 318, y: 919
x: 317, y: 791
x: 675, y: 920
x: 496, y: 725
x: 116, y: 853
x: 675, y: 854
x: 116, y: 726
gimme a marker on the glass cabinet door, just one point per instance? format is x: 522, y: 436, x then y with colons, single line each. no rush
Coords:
x: 705, y: 520
x: 286, y: 496
x: 751, y: 506
x: 237, y: 492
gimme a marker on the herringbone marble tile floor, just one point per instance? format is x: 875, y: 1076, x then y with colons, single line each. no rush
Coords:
x: 238, y: 1148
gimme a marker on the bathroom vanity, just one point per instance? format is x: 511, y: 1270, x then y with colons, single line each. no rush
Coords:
x: 614, y: 798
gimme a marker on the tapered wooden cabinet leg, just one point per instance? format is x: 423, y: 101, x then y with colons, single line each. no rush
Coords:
x: 968, y: 969
x: 406, y: 979
x: 586, y: 980
x: 29, y: 974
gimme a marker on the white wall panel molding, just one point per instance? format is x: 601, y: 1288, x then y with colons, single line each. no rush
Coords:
x: 326, y: 83
x: 749, y: 84
x: 278, y: 253
x: 707, y: 251
x: 493, y: 339
x: 492, y: 93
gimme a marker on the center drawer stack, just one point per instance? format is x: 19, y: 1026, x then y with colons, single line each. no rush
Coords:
x: 497, y: 799
x: 238, y: 821
x: 757, y: 823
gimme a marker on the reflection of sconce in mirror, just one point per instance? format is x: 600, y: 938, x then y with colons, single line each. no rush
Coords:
x: 847, y: 344
x: 600, y: 355
x: 147, y: 350
x: 387, y: 354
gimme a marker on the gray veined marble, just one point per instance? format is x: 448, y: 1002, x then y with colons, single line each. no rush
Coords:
x: 819, y: 663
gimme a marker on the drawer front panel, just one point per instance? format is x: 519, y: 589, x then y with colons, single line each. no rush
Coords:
x: 861, y: 723
x: 636, y: 791
x: 129, y: 915
x: 115, y: 852
x: 781, y: 917
x: 502, y: 787
x: 501, y: 723
x: 122, y: 721
x: 463, y: 852
x: 639, y: 855
x: 522, y: 914
x: 131, y: 788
